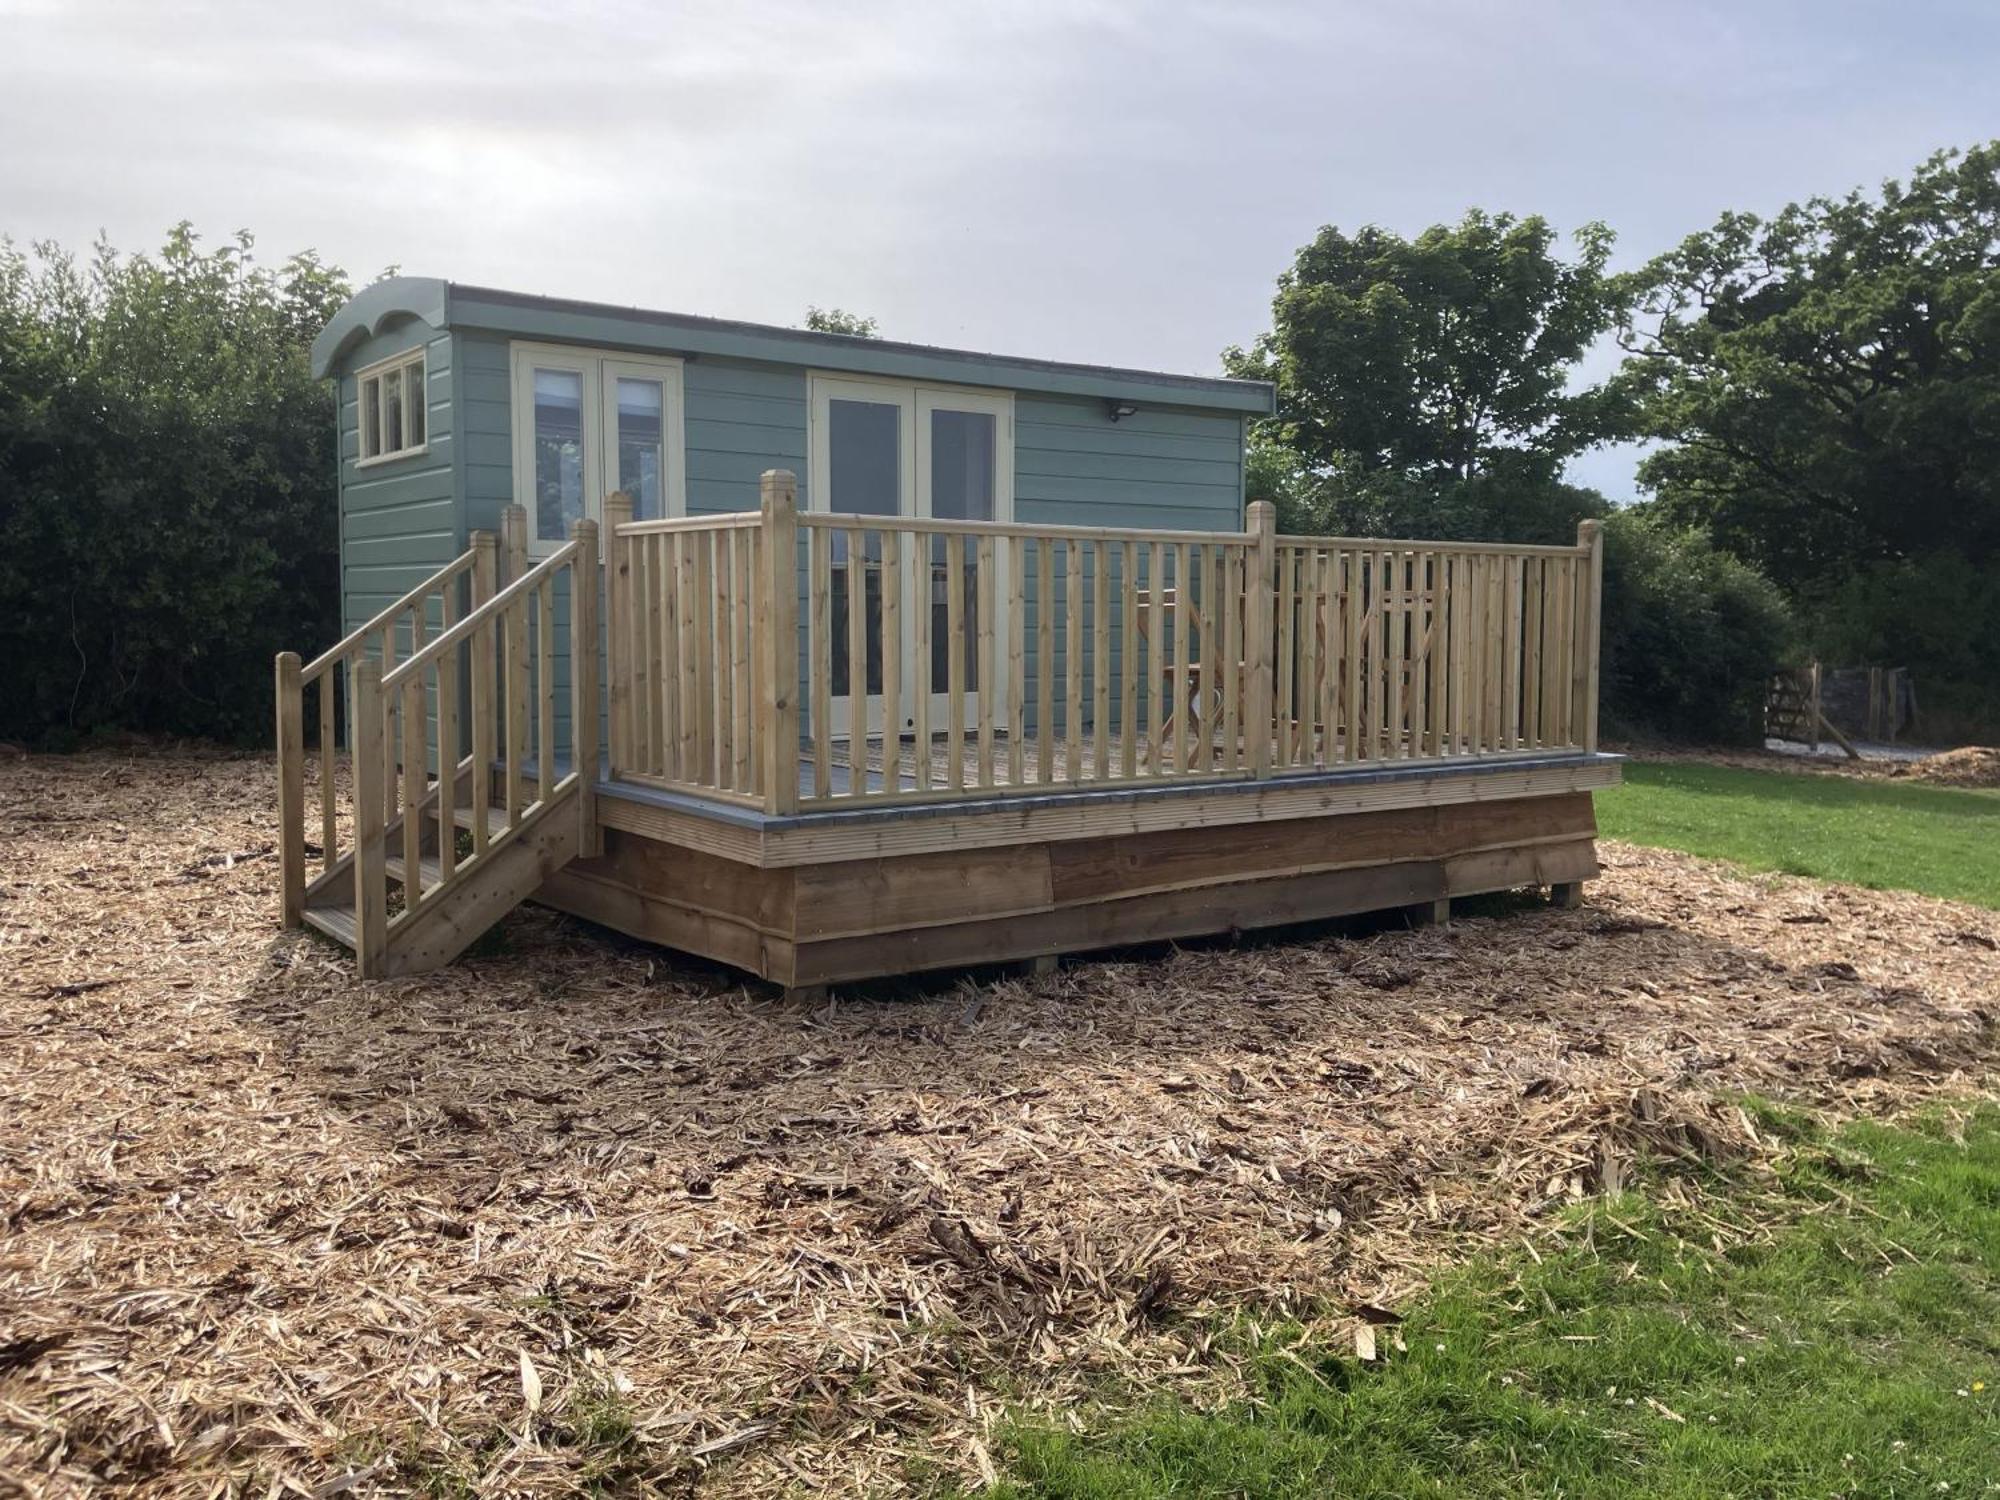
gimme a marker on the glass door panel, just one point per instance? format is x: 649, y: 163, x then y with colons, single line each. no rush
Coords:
x: 965, y: 473
x: 641, y: 445
x: 866, y: 473
x: 559, y: 459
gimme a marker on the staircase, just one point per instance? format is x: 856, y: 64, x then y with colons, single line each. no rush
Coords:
x: 461, y: 798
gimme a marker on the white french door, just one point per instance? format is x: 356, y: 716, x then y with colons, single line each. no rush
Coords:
x: 887, y: 448
x: 586, y: 422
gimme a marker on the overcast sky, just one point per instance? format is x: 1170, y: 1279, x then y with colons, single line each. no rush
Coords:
x: 1118, y: 183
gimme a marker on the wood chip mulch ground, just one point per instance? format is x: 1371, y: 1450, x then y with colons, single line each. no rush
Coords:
x: 575, y: 1213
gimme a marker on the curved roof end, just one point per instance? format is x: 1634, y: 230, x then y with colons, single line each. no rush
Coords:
x: 374, y: 308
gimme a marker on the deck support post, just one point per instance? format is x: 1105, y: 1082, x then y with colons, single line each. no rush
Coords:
x: 1258, y: 624
x: 371, y: 890
x: 1589, y: 616
x: 583, y: 694
x: 779, y: 497
x: 292, y: 786
x: 1567, y: 895
x: 618, y: 639
x: 1431, y: 913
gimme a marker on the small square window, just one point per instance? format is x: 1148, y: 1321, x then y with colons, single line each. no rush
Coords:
x: 392, y: 417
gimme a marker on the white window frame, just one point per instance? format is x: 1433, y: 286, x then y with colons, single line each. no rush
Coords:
x: 599, y: 370
x: 412, y: 370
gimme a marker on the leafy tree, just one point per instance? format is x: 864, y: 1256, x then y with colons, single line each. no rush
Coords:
x: 1690, y: 634
x: 167, y: 507
x: 1828, y: 381
x: 838, y: 320
x: 1424, y: 385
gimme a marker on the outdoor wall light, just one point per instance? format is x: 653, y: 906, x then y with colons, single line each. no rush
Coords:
x: 1118, y: 408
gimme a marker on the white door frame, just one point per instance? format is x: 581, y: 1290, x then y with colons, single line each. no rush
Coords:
x: 599, y: 370
x: 915, y: 403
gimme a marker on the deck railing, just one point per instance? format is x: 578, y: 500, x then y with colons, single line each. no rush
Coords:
x: 1012, y: 659
x: 454, y: 744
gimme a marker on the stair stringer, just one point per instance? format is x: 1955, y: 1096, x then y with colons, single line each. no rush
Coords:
x: 449, y: 923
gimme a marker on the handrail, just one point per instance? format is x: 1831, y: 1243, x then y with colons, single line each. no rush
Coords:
x: 465, y: 629
x: 939, y: 526
x: 729, y: 520
x: 1412, y: 544
x: 356, y: 639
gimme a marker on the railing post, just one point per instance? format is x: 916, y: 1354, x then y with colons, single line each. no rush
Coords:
x: 583, y: 695
x: 514, y: 536
x: 779, y: 493
x: 1589, y: 617
x: 1259, y: 616
x: 618, y: 647
x: 292, y: 787
x: 371, y: 889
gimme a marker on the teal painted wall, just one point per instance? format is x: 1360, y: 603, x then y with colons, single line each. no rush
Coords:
x: 1162, y: 467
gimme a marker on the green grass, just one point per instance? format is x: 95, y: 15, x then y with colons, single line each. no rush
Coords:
x: 1891, y: 835
x: 1843, y: 1341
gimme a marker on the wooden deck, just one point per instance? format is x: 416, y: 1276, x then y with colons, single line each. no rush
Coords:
x: 1110, y: 737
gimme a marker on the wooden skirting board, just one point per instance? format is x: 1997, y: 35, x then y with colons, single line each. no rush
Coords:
x: 876, y: 914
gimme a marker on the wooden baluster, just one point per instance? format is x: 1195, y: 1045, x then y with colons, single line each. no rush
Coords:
x: 1128, y: 661
x: 1353, y: 648
x: 447, y: 740
x: 983, y: 656
x: 390, y: 742
x: 1076, y: 648
x: 857, y: 662
x: 1017, y: 653
x: 1159, y: 685
x: 291, y: 789
x: 892, y: 663
x: 1308, y: 635
x: 370, y: 759
x: 413, y: 791
x: 1045, y: 660
x: 742, y: 690
x: 1285, y: 676
x: 1208, y: 654
x: 1100, y: 665
x: 619, y: 644
x: 485, y: 579
x: 1257, y: 624
x: 820, y: 563
x: 701, y: 603
x: 1589, y: 626
x: 1183, y: 678
x: 955, y: 642
x: 514, y: 627
x: 644, y: 696
x: 1234, y: 660
x: 1433, y: 565
x: 1328, y: 632
x: 1395, y: 623
x: 692, y: 647
x: 722, y: 658
x: 329, y: 828
x: 779, y: 672
x: 660, y: 622
x: 922, y: 670
x: 1531, y: 654
x: 545, y: 690
x: 583, y: 688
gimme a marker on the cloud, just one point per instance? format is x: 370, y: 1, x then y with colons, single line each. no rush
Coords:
x: 1116, y: 182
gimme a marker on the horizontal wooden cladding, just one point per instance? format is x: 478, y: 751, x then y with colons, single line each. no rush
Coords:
x: 1160, y: 916
x: 871, y: 895
x: 679, y: 898
x: 884, y: 832
x: 1181, y: 858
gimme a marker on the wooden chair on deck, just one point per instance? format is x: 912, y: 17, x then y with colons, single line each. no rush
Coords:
x: 1203, y: 709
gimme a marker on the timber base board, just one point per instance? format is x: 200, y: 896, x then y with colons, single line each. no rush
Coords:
x: 866, y: 918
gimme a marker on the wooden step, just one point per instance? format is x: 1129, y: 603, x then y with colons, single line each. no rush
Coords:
x: 429, y: 866
x: 337, y: 922
x: 496, y: 819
